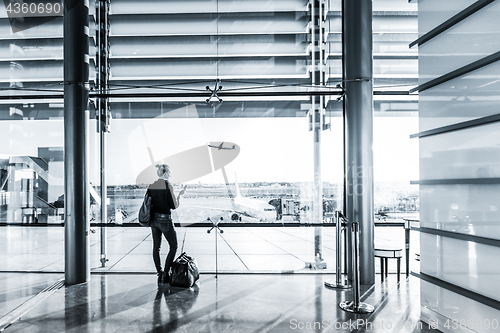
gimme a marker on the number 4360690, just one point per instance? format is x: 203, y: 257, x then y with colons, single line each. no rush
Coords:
x: 472, y: 324
x: 35, y: 9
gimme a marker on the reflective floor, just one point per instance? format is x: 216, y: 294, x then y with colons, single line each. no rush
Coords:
x: 230, y: 303
x: 239, y: 249
x: 124, y: 295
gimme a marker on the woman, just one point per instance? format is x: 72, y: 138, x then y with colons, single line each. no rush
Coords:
x: 162, y: 202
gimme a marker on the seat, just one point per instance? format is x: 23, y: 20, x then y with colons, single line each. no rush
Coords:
x: 385, y: 255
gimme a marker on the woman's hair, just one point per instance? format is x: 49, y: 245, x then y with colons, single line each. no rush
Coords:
x: 161, y: 169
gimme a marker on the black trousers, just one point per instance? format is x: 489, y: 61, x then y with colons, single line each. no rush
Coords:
x: 163, y: 226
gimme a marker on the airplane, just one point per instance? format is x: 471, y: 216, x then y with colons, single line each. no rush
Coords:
x: 241, y: 207
x: 250, y: 207
x: 219, y: 147
x: 382, y: 214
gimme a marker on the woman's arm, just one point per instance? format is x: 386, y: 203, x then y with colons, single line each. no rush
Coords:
x: 181, y: 193
x: 175, y: 201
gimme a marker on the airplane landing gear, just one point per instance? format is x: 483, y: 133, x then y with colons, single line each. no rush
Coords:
x: 235, y: 217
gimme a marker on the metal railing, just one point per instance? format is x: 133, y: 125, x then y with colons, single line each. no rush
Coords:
x: 356, y: 306
x: 340, y: 228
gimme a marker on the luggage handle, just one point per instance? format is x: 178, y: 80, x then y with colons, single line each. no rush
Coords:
x: 185, y: 257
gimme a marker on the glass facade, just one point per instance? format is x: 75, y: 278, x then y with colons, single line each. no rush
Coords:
x: 162, y: 56
x: 458, y: 165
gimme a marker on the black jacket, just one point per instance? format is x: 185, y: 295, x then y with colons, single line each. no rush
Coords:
x: 162, y: 197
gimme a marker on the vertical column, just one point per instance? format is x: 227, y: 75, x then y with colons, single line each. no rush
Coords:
x: 103, y: 112
x: 14, y: 200
x: 358, y: 75
x: 317, y: 124
x: 104, y: 185
x: 318, y: 189
x: 76, y: 76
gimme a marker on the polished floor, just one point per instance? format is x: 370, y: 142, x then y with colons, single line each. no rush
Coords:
x: 251, y: 295
x: 238, y: 249
x: 229, y: 303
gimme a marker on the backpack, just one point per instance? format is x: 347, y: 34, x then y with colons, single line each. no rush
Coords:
x: 184, y: 271
x: 144, y: 217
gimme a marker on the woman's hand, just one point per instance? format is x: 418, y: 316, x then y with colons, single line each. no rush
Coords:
x: 183, y: 190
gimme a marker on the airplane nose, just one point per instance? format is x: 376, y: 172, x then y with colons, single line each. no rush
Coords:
x: 274, y: 202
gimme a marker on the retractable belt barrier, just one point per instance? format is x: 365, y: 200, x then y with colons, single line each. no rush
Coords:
x: 355, y: 305
x: 340, y: 227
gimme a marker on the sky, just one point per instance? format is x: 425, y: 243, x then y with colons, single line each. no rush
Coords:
x: 271, y: 149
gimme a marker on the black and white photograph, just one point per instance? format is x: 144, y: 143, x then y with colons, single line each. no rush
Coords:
x: 250, y: 166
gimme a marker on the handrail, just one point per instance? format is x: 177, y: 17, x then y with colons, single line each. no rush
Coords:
x: 5, y: 181
x: 458, y: 126
x: 460, y: 236
x: 480, y: 298
x: 458, y: 72
x: 203, y: 225
x: 457, y: 181
x: 45, y: 202
x: 451, y: 22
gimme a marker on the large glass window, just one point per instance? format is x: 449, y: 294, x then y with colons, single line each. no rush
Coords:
x: 249, y: 159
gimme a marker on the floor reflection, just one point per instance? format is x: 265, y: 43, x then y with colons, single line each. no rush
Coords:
x: 173, y: 301
x: 76, y: 307
x: 230, y: 303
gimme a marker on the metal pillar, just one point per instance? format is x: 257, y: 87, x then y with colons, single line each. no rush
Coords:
x: 104, y: 195
x: 316, y: 126
x: 103, y: 111
x: 14, y: 202
x: 76, y: 76
x: 358, y: 75
x: 407, y: 246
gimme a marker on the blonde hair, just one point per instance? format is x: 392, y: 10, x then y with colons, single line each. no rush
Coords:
x: 161, y: 169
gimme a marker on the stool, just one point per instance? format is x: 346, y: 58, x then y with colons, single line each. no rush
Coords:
x: 385, y: 255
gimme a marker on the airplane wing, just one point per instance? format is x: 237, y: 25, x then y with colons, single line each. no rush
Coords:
x: 222, y: 209
x: 216, y: 218
x: 225, y: 210
x: 208, y: 208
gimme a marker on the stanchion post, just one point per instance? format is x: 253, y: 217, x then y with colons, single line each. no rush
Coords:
x: 407, y: 246
x: 338, y: 234
x: 338, y: 265
x: 355, y: 271
x: 216, y: 255
x: 346, y: 260
x: 215, y: 225
x: 356, y: 306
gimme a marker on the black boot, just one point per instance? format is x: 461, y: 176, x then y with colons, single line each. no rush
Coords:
x: 160, y: 277
x: 165, y: 277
